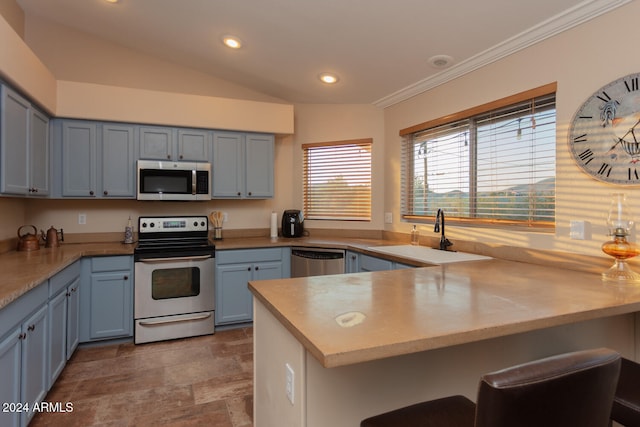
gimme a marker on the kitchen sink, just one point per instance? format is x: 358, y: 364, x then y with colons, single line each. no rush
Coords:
x: 426, y: 254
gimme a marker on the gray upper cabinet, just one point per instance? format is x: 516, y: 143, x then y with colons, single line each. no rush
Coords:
x: 118, y: 161
x: 193, y: 145
x: 162, y: 143
x: 95, y: 159
x: 259, y: 165
x: 24, y: 146
x: 39, y: 153
x: 79, y: 159
x: 242, y: 165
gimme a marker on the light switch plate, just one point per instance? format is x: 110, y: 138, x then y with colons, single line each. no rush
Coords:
x: 289, y: 379
x: 388, y: 217
x: 579, y: 230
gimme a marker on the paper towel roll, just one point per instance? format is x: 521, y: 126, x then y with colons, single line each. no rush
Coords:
x: 274, y: 224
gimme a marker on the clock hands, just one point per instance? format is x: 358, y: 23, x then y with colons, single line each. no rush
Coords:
x: 630, y: 131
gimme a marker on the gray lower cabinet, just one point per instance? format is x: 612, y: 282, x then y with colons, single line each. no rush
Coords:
x: 242, y: 165
x: 234, y: 269
x: 64, y: 312
x: 369, y: 263
x: 357, y: 263
x: 24, y: 144
x: 23, y: 355
x: 106, y: 294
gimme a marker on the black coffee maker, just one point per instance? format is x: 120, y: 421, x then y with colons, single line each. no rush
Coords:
x: 292, y: 223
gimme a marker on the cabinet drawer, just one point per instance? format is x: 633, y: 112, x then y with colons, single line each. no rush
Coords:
x: 15, y: 312
x: 62, y: 279
x: 110, y: 263
x: 248, y: 255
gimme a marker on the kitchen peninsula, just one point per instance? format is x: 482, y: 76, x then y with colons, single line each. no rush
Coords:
x: 360, y: 344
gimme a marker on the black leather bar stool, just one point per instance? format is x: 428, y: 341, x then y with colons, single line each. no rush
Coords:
x: 626, y: 403
x: 569, y: 390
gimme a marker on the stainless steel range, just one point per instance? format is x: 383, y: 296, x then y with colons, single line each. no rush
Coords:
x: 174, y: 270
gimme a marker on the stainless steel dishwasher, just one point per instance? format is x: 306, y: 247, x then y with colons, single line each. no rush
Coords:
x: 316, y: 261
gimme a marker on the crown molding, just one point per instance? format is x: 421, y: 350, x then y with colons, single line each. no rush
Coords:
x: 568, y: 19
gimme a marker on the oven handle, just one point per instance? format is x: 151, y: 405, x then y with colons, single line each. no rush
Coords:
x: 177, y: 258
x: 183, y: 319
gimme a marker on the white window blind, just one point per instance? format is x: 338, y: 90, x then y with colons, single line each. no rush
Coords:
x: 497, y: 166
x: 337, y: 180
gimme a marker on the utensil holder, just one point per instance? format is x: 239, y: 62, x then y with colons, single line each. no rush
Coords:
x: 217, y: 233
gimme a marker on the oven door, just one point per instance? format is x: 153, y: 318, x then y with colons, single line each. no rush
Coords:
x: 173, y: 285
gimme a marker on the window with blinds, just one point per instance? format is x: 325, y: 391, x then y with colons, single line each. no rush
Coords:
x: 496, y: 166
x: 337, y: 180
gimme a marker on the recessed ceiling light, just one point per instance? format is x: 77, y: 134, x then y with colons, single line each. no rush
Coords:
x: 440, y: 61
x: 112, y: 1
x: 232, y: 42
x: 328, y: 78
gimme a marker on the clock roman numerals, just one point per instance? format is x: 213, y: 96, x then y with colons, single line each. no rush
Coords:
x: 604, y: 97
x: 605, y: 170
x: 633, y: 174
x: 580, y: 138
x: 586, y: 156
x: 631, y: 85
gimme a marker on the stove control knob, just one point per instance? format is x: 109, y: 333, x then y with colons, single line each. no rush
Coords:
x: 152, y: 225
x: 195, y: 223
x: 144, y: 225
x: 202, y: 224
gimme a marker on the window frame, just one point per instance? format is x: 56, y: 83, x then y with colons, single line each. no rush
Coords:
x: 452, y: 119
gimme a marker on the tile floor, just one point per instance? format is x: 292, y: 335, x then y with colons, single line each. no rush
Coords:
x: 201, y: 381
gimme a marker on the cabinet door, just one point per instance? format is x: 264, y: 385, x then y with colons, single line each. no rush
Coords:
x: 73, y: 317
x: 352, y: 260
x: 57, y: 336
x: 39, y: 154
x: 118, y: 162
x: 369, y: 263
x: 79, y: 159
x: 34, y: 360
x: 233, y: 300
x: 259, y: 166
x: 156, y: 143
x: 267, y: 271
x: 14, y: 154
x: 10, y: 373
x: 110, y: 305
x: 228, y: 167
x: 193, y: 145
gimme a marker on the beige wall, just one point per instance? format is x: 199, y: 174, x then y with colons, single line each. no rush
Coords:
x: 581, y: 61
x: 322, y: 123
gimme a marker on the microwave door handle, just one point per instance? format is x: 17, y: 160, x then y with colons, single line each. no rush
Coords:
x: 194, y: 181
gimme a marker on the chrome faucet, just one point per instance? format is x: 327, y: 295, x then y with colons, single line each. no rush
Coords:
x: 439, y: 227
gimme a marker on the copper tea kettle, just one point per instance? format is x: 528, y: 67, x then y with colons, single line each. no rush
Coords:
x: 53, y: 237
x: 28, y: 241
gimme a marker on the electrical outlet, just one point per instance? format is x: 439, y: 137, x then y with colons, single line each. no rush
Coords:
x: 224, y: 217
x: 289, y: 378
x: 82, y: 219
x: 388, y: 217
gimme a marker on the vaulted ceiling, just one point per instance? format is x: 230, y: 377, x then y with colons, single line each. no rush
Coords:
x: 382, y: 51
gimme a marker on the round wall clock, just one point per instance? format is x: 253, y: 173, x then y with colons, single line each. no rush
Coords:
x: 604, y: 136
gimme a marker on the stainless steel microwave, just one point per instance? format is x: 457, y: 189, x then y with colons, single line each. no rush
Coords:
x: 162, y: 180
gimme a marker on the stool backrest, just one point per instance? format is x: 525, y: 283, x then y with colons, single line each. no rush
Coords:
x: 572, y: 389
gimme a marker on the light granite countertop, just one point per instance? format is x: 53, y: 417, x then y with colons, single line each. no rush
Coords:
x: 354, y: 318
x: 23, y: 271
